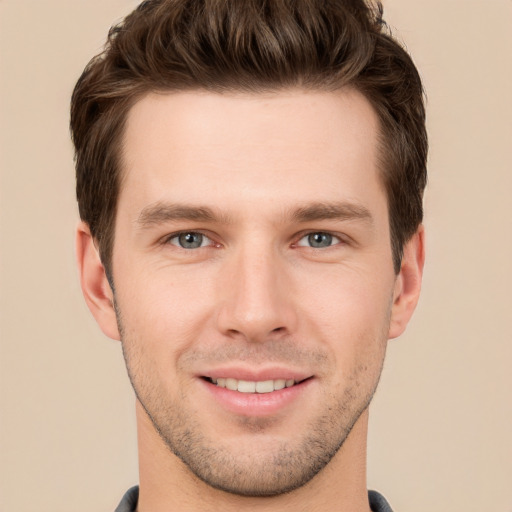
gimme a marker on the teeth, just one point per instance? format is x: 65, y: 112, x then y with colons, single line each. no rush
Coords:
x: 247, y: 386
x: 232, y: 384
x: 279, y: 384
x: 264, y: 386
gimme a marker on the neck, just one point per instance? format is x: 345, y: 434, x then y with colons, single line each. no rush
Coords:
x: 167, y: 484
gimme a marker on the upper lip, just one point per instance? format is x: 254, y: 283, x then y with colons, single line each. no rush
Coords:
x: 253, y: 375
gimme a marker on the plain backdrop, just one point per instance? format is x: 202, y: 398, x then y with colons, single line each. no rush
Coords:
x: 440, y: 431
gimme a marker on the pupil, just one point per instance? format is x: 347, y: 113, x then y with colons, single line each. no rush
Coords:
x: 320, y: 240
x: 191, y: 240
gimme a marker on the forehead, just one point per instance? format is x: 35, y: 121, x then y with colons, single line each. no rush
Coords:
x: 289, y: 145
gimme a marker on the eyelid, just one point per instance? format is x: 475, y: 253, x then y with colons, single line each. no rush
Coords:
x: 341, y: 239
x: 166, y: 240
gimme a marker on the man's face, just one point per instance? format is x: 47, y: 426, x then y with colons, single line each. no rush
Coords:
x: 252, y: 252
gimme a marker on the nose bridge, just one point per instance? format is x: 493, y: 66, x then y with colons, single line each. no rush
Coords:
x: 257, y: 302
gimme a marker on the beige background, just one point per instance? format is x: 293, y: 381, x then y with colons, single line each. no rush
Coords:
x: 440, y: 435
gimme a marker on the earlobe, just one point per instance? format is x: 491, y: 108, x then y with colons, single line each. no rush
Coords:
x: 408, y: 283
x: 93, y: 280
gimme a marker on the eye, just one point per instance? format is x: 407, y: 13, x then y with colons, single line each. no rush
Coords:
x: 318, y: 240
x: 189, y: 240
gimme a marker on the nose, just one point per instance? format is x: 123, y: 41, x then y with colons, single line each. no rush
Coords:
x: 256, y: 302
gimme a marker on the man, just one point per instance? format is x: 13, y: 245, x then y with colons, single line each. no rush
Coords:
x: 249, y: 178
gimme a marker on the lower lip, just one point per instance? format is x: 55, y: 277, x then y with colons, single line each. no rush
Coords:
x: 257, y: 404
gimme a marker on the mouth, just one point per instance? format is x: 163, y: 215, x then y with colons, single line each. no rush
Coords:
x: 266, y: 393
x: 248, y: 386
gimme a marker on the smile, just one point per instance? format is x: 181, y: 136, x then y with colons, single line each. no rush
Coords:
x: 247, y: 386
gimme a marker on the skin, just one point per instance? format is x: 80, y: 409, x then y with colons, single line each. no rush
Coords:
x: 253, y: 178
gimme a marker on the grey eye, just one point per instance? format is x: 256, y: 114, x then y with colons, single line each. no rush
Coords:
x: 319, y: 240
x: 189, y: 240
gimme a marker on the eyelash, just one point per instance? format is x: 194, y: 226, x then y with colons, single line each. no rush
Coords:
x: 168, y: 239
x: 334, y: 239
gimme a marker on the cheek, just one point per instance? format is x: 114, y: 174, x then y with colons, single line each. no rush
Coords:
x: 350, y: 315
x: 347, y: 298
x: 165, y: 310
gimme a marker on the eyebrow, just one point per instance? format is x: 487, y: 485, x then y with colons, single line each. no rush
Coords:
x: 160, y: 213
x: 334, y: 211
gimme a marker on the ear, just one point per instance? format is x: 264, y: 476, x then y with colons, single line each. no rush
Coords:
x: 408, y: 283
x: 93, y: 280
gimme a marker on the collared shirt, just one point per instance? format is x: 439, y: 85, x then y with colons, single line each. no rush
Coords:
x: 129, y: 502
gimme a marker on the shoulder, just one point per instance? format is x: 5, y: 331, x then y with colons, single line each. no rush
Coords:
x: 378, y: 503
x: 129, y: 501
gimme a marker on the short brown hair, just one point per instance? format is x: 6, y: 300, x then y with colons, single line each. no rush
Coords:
x: 249, y: 46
